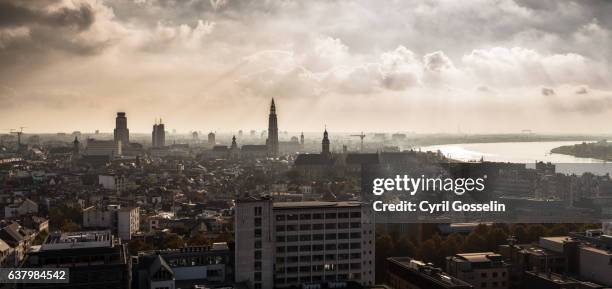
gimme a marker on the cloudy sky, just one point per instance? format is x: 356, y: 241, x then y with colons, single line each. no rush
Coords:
x: 425, y: 66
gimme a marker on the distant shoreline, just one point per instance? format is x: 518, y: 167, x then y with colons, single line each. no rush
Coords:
x: 601, y: 150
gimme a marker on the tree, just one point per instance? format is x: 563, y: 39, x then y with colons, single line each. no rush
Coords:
x: 384, y: 249
x: 59, y: 215
x: 558, y: 230
x: 474, y: 243
x: 198, y: 239
x: 496, y: 237
x: 520, y: 233
x: 69, y: 226
x: 404, y: 247
x: 428, y: 251
x: 173, y: 241
x: 136, y: 246
x: 534, y: 232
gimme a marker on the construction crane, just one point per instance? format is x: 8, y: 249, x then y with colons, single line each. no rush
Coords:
x: 361, y: 136
x: 18, y: 133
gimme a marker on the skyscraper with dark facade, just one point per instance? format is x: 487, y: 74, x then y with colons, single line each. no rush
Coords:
x: 272, y: 141
x: 159, y: 135
x: 121, y: 132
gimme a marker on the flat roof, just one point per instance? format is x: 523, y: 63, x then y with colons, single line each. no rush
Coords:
x: 314, y: 204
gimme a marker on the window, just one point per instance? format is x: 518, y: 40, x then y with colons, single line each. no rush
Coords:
x: 257, y: 222
x: 317, y: 227
x: 292, y: 217
x: 257, y: 233
x: 305, y: 217
x: 280, y: 238
x: 305, y: 227
x: 317, y: 216
x: 258, y: 211
x: 330, y: 216
x: 330, y: 226
x: 343, y: 215
x: 280, y: 217
x: 356, y: 215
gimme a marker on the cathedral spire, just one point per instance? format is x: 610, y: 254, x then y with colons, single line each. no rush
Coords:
x: 272, y: 141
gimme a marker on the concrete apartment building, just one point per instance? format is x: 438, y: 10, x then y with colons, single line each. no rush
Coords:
x: 285, y: 244
x: 482, y: 270
x: 125, y: 222
x: 596, y: 265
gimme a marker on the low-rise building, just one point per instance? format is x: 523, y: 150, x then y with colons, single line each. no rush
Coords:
x: 96, y: 259
x: 482, y: 270
x: 184, y: 268
x: 407, y: 273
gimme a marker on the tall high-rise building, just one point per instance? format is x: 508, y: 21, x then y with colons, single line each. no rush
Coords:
x: 159, y: 135
x: 272, y: 141
x: 286, y: 245
x: 325, y: 145
x: 211, y: 139
x: 121, y: 132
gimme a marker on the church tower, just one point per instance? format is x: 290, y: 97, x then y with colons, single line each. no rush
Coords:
x: 325, y: 145
x: 76, y: 146
x: 234, y: 152
x: 272, y: 141
x: 302, y: 141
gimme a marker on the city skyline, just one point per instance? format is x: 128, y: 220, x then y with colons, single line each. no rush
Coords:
x: 429, y: 67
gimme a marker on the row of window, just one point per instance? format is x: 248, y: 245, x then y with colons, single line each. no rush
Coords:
x: 317, y: 278
x: 317, y: 216
x: 318, y: 268
x: 317, y: 258
x: 318, y: 237
x: 309, y: 227
x: 319, y: 247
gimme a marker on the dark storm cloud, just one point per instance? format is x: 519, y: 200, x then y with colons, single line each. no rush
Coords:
x: 21, y: 13
x: 30, y: 31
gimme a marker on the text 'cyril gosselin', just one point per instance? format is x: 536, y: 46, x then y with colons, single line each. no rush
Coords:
x: 412, y: 186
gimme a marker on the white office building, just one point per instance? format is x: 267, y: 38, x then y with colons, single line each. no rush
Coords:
x: 284, y: 244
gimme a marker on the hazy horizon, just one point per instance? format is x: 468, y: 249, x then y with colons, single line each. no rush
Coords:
x: 426, y: 66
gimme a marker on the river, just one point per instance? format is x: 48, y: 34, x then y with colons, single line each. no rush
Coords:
x: 523, y: 152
